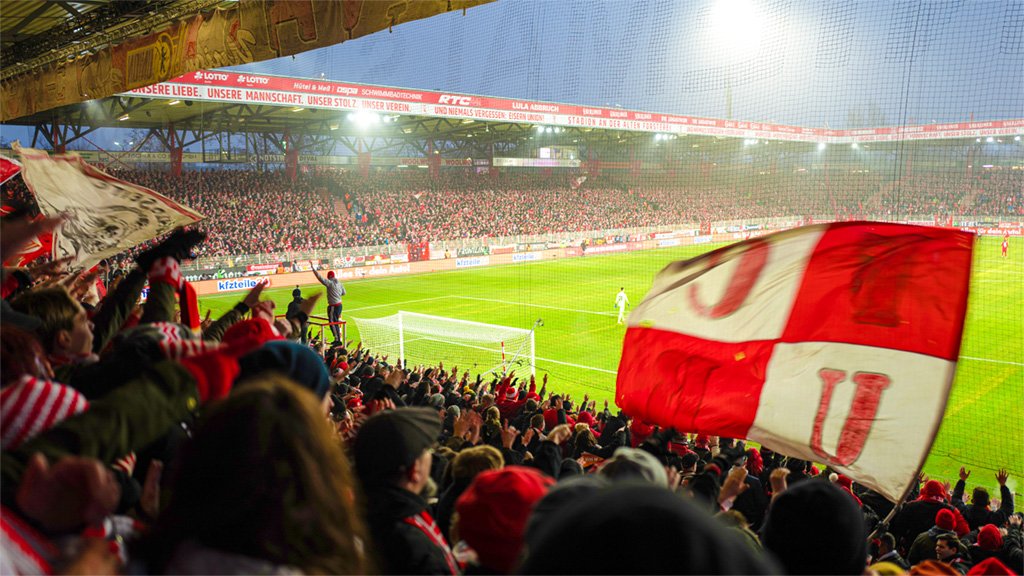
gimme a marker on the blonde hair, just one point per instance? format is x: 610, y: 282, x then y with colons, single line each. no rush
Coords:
x: 54, y: 307
x: 475, y: 460
x: 493, y: 415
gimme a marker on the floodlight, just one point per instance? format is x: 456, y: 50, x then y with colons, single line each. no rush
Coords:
x: 854, y: 145
x: 737, y: 25
x: 822, y: 145
x: 990, y: 139
x: 173, y: 102
x: 364, y: 118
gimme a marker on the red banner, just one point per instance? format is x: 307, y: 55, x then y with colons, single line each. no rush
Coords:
x: 257, y: 89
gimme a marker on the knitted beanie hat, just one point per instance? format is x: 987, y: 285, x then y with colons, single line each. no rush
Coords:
x: 34, y: 405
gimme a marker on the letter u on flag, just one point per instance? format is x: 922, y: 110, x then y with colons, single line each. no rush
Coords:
x: 834, y: 343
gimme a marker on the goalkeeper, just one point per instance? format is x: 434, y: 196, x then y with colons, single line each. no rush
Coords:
x: 621, y: 301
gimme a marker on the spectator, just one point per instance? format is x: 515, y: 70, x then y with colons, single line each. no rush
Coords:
x: 923, y: 546
x: 465, y: 467
x: 406, y: 538
x: 262, y: 487
x: 816, y: 528
x: 887, y: 552
x: 662, y: 534
x: 493, y: 513
x: 949, y: 550
x: 978, y: 513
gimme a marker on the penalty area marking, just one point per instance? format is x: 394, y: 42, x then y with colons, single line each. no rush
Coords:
x: 577, y: 366
x: 396, y: 303
x: 993, y: 361
x: 509, y: 302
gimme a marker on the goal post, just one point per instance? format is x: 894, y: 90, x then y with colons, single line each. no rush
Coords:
x: 424, y: 339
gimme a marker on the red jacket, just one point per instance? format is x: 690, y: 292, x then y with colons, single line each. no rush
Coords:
x: 506, y: 398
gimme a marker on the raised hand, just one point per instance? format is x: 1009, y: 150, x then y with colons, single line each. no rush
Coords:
x: 964, y: 474
x: 264, y: 310
x: 379, y: 405
x: 207, y: 320
x: 1002, y: 476
x: 20, y: 232
x: 734, y: 484
x: 81, y: 285
x: 309, y: 303
x: 508, y: 435
x: 777, y: 479
x: 395, y: 378
x: 559, y: 434
x: 40, y: 270
x: 528, y: 436
x: 67, y: 494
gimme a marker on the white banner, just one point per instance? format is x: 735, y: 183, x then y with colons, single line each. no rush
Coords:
x: 106, y: 215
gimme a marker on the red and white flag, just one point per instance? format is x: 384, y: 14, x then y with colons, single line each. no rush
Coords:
x: 834, y: 343
x: 107, y: 215
x: 8, y: 168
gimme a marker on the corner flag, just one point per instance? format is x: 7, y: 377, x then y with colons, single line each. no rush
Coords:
x: 835, y: 343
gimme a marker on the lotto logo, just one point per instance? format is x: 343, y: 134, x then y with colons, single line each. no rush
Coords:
x: 203, y: 75
x: 245, y: 79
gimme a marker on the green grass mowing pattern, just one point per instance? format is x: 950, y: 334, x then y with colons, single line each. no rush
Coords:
x: 580, y: 343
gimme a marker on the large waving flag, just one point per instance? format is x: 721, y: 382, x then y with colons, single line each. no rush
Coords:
x: 107, y: 215
x: 9, y: 168
x: 834, y: 343
x: 38, y: 246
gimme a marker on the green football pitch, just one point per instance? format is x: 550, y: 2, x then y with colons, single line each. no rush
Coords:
x: 580, y: 342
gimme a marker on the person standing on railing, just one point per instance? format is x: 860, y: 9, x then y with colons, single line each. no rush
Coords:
x: 334, y: 293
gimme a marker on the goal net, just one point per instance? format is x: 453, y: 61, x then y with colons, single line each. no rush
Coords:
x: 425, y: 339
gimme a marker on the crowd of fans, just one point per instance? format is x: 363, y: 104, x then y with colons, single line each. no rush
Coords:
x: 267, y: 213
x: 141, y: 439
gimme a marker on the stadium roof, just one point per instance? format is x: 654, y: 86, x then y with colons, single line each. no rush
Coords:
x: 37, y: 33
x: 238, y: 102
x: 58, y: 52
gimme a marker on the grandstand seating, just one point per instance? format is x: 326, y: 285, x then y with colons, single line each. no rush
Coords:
x: 255, y: 213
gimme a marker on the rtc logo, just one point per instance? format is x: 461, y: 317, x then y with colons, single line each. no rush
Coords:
x: 246, y: 79
x: 458, y: 100
x: 204, y: 75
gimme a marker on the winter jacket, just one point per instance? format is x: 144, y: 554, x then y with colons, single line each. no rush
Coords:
x: 977, y: 516
x: 923, y: 547
x: 917, y: 517
x: 404, y: 535
x: 125, y: 420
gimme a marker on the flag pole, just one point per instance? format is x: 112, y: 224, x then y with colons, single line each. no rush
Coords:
x: 883, y: 526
